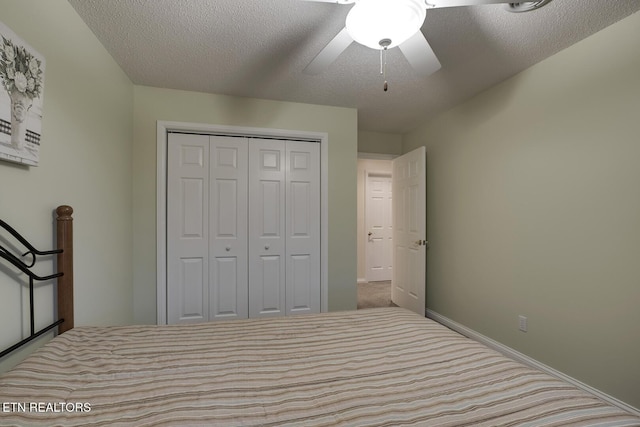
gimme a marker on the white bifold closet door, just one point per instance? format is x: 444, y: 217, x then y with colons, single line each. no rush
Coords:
x: 284, y: 228
x: 243, y: 228
x: 227, y: 216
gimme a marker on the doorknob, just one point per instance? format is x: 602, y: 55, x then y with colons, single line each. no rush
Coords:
x: 369, y: 234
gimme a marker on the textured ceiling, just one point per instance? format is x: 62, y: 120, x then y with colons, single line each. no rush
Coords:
x: 258, y: 49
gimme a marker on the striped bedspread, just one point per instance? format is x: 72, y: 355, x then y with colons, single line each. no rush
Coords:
x: 377, y: 367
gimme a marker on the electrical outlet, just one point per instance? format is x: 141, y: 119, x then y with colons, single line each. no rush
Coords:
x: 522, y: 323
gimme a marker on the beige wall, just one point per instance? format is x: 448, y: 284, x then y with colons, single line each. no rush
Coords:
x: 85, y: 161
x: 365, y: 166
x: 534, y: 209
x: 379, y: 142
x: 152, y: 104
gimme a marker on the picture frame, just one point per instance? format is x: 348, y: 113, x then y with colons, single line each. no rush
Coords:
x: 22, y: 71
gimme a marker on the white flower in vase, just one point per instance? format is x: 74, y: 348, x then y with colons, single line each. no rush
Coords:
x: 20, y: 82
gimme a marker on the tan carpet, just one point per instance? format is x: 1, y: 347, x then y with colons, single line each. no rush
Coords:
x: 374, y: 294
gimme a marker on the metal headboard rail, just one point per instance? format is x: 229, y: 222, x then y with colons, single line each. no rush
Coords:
x: 26, y: 269
x: 32, y: 250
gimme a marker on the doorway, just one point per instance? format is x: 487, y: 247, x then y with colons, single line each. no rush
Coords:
x: 376, y: 168
x: 409, y: 244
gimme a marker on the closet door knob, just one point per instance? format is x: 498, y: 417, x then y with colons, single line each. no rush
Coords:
x: 228, y: 248
x: 266, y: 247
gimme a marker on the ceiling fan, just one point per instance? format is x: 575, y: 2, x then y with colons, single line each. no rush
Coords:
x: 384, y: 24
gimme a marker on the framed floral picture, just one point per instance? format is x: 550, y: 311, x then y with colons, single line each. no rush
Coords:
x: 22, y: 79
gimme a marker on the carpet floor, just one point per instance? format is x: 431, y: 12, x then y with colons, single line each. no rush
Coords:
x: 374, y: 294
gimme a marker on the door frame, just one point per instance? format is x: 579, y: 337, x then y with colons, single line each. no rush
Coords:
x: 164, y: 127
x: 367, y: 247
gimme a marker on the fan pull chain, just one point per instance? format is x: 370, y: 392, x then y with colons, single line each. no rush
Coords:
x: 384, y: 44
x: 383, y: 66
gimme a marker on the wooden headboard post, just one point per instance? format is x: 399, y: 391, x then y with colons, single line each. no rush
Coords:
x: 64, y: 228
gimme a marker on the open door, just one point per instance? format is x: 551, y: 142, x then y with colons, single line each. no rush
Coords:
x: 408, y: 285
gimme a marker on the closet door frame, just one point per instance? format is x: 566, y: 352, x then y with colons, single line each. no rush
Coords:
x: 164, y: 128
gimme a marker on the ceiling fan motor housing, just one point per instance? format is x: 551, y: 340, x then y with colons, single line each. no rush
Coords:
x: 384, y: 43
x: 526, y: 6
x: 372, y: 22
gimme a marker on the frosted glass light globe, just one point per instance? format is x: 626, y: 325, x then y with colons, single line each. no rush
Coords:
x: 370, y: 21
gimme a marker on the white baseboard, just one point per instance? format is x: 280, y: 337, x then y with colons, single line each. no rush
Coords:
x: 516, y: 355
x: 362, y: 280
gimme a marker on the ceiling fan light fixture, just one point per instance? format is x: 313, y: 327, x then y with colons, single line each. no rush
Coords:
x: 371, y: 21
x: 525, y: 6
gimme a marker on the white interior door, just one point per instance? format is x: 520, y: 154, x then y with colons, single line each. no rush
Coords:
x: 303, y: 228
x: 408, y: 286
x: 267, y: 228
x: 228, y: 245
x: 188, y: 228
x: 378, y: 218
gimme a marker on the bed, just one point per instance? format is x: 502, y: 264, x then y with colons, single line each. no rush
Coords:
x: 374, y: 367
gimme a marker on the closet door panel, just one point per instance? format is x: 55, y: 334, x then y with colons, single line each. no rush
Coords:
x: 188, y: 228
x: 303, y: 228
x: 266, y: 228
x: 228, y: 276
x: 192, y: 286
x: 226, y: 216
x: 268, y: 291
x: 224, y: 302
x: 300, y: 292
x: 270, y: 193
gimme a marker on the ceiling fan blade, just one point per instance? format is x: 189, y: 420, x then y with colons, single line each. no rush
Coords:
x: 420, y: 55
x: 457, y: 3
x: 330, y: 53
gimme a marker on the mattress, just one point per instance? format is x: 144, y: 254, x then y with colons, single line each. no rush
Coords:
x: 376, y: 367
